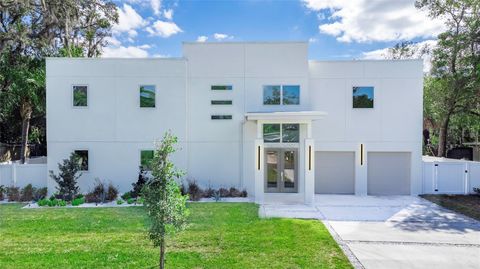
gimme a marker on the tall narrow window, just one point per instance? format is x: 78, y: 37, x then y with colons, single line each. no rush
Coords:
x: 271, y: 95
x: 80, y: 96
x: 147, y: 96
x: 146, y: 157
x: 363, y: 97
x: 82, y: 156
x: 291, y: 95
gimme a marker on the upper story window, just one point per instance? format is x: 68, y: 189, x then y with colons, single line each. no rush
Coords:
x: 146, y: 157
x: 80, y: 94
x: 82, y: 159
x: 147, y: 96
x: 363, y: 97
x: 285, y: 133
x: 285, y: 95
x: 221, y: 87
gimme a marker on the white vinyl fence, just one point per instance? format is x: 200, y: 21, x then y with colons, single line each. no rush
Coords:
x: 19, y: 175
x: 450, y: 176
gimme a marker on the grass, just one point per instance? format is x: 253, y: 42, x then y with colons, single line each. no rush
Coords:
x: 468, y: 205
x: 219, y: 235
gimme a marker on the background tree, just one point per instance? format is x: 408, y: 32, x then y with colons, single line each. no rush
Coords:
x: 454, y: 85
x: 165, y: 204
x: 31, y: 30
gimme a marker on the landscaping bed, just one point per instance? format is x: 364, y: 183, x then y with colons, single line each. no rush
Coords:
x: 468, y: 205
x: 219, y: 235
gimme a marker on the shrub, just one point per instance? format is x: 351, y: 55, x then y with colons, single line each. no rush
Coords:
x: 78, y: 201
x: 130, y: 201
x: 217, y: 196
x: 98, y: 194
x: 235, y: 192
x: 224, y: 192
x: 138, y: 186
x: 120, y: 201
x: 79, y: 196
x: 62, y: 202
x: 53, y: 202
x: 112, y: 193
x: 194, y: 191
x: 40, y: 193
x: 2, y: 192
x: 13, y: 193
x: 209, y: 193
x: 67, y: 177
x: 27, y: 192
x: 43, y: 202
x: 244, y: 193
x: 126, y: 196
x: 140, y: 200
x: 476, y: 191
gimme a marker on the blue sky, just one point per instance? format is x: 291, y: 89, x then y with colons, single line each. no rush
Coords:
x: 336, y: 29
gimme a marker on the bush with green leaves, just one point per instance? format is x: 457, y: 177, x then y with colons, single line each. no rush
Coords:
x: 112, y: 193
x: 164, y: 203
x: 13, y: 194
x: 126, y: 196
x: 120, y: 201
x: 67, y: 177
x: 138, y: 186
x: 130, y: 201
x: 78, y: 201
x: 40, y: 193
x: 43, y: 202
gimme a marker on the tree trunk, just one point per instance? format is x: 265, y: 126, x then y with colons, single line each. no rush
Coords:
x: 442, y: 137
x: 162, y: 253
x: 26, y: 114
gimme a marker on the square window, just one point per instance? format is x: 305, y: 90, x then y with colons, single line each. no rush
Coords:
x: 82, y: 159
x: 271, y: 133
x: 80, y: 96
x: 291, y: 95
x: 221, y: 87
x: 271, y: 95
x: 147, y: 96
x: 363, y: 97
x: 146, y: 157
x: 290, y: 133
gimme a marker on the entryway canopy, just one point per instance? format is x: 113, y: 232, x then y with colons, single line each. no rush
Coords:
x: 285, y: 116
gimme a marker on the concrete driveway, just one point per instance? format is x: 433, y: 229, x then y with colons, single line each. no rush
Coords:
x: 393, y: 231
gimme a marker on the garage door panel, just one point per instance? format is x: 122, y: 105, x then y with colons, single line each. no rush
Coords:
x: 388, y: 173
x: 334, y: 172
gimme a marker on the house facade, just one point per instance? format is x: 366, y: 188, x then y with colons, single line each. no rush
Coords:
x: 256, y: 116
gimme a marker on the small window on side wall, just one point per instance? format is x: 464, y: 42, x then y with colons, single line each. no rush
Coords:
x: 221, y: 87
x: 82, y: 159
x: 80, y: 96
x: 363, y: 97
x: 147, y: 96
x: 146, y: 157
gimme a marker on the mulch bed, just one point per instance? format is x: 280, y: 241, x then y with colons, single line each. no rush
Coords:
x: 468, y: 205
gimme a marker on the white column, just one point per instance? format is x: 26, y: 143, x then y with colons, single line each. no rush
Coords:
x: 309, y: 171
x: 259, y: 173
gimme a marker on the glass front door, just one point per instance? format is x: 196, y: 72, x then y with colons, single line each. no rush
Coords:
x: 281, y: 170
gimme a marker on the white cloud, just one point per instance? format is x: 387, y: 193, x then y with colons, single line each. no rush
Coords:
x: 221, y: 37
x: 163, y: 29
x: 374, y: 20
x: 124, y: 52
x: 427, y: 58
x: 312, y: 40
x: 128, y: 21
x: 160, y: 56
x: 112, y: 41
x: 145, y: 47
x: 168, y: 14
x: 156, y: 4
x: 202, y: 38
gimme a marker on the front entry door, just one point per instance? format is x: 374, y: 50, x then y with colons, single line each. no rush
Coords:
x: 281, y: 170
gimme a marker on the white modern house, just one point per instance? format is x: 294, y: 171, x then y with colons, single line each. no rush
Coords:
x: 254, y: 115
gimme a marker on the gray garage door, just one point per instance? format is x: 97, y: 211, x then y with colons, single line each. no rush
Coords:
x: 388, y: 173
x: 334, y: 172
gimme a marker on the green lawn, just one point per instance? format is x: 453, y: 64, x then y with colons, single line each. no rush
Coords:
x: 219, y: 235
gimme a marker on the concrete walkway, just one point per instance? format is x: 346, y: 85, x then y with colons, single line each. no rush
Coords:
x: 393, y: 231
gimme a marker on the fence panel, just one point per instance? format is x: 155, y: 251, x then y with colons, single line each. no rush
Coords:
x: 20, y: 175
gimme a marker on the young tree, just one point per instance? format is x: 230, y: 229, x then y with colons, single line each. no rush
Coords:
x: 165, y: 205
x: 67, y: 177
x: 455, y: 85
